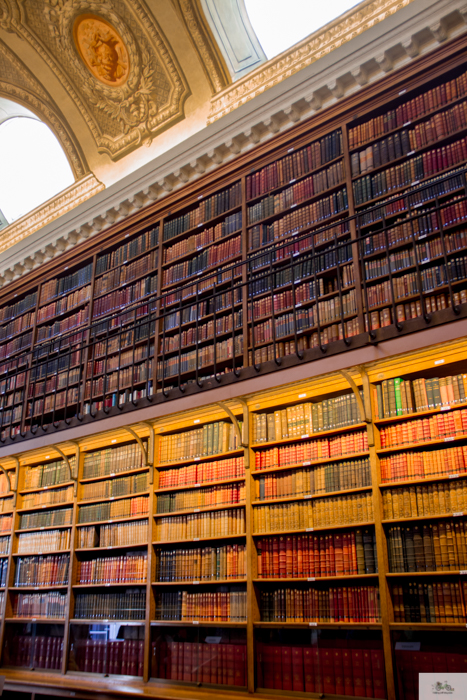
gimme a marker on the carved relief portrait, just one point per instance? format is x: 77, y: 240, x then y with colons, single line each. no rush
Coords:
x: 101, y: 49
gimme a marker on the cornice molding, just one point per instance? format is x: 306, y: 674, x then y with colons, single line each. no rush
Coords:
x: 63, y: 202
x: 416, y: 30
x: 303, y: 54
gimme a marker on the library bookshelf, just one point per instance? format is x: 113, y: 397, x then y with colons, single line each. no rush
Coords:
x: 345, y: 231
x: 282, y: 543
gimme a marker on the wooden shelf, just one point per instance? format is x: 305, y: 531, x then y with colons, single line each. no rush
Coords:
x: 219, y: 537
x: 317, y: 579
x: 420, y: 445
x: 201, y: 582
x: 104, y: 621
x: 114, y: 475
x: 417, y: 518
x: 87, y: 550
x: 216, y: 457
x: 311, y: 436
x: 428, y: 480
x: 311, y: 463
x: 114, y: 520
x: 108, y: 499
x: 113, y: 584
x: 421, y: 414
x: 322, y: 625
x: 203, y: 484
x: 312, y: 529
x: 308, y: 496
x: 202, y: 509
x: 196, y: 623
x: 40, y: 620
x: 428, y: 626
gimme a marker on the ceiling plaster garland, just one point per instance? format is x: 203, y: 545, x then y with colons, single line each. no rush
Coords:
x: 446, y: 24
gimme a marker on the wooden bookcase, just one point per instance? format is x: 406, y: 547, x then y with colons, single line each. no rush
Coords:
x: 347, y: 230
x: 283, y: 557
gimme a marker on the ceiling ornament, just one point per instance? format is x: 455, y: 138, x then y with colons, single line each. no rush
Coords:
x: 112, y: 60
x: 20, y: 85
x: 302, y: 55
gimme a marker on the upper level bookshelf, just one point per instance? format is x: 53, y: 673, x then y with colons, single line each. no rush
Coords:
x: 348, y: 229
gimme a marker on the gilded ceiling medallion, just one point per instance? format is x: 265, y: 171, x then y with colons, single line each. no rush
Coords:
x: 101, y: 49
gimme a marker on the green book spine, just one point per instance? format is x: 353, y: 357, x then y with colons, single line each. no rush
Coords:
x: 398, y: 397
x: 436, y: 393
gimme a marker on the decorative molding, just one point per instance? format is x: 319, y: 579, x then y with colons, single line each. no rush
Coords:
x: 19, y: 84
x: 303, y: 54
x: 323, y: 84
x: 54, y: 208
x: 204, y: 43
x: 121, y: 117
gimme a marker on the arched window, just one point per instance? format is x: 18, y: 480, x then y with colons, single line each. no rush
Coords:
x: 33, y: 167
x: 279, y: 24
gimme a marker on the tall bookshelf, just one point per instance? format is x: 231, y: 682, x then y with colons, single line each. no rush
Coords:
x: 348, y: 229
x: 297, y: 553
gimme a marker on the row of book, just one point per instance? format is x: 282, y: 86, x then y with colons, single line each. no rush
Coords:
x: 128, y: 250
x: 47, y: 498
x: 201, y: 525
x: 337, y: 604
x: 432, y: 429
x: 423, y: 465
x: 125, y: 296
x: 41, y: 605
x: 295, y: 165
x: 201, y: 498
x: 259, y: 236
x: 212, y: 256
x: 425, y: 252
x: 221, y: 274
x: 112, y: 460
x: 395, y: 262
x: 205, y: 331
x: 381, y: 152
x: 4, y: 545
x: 303, y: 294
x: 205, y: 210
x: 121, y: 359
x: 51, y: 570
x: 4, y: 486
x: 416, y: 225
x: 347, y: 670
x: 114, y: 535
x: 408, y: 111
x: 409, y: 172
x: 202, y: 663
x: 59, y: 381
x: 125, y: 273
x: 127, y: 568
x: 416, y: 283
x: 203, y: 356
x: 111, y: 488
x: 63, y: 326
x: 397, y: 397
x: 46, y: 518
x: 48, y: 541
x: 419, y: 501
x: 126, y: 605
x: 202, y: 564
x: 18, y: 325
x: 35, y: 652
x: 301, y: 218
x: 211, y: 439
x: 304, y: 419
x: 64, y: 304
x: 429, y: 602
x: 454, y: 212
x: 18, y: 307
x: 410, y: 664
x: 404, y: 312
x: 202, y: 473
x: 125, y: 508
x: 58, y: 400
x: 309, y: 264
x: 321, y: 512
x: 297, y: 193
x: 398, y: 145
x: 303, y: 453
x: 340, y: 476
x: 62, y: 285
x: 19, y: 343
x: 121, y: 657
x: 433, y: 547
x: 315, y: 556
x: 220, y: 606
x: 202, y: 308
x: 206, y: 237
x: 117, y: 399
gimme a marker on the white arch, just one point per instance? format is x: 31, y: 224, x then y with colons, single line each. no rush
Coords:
x: 33, y: 165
